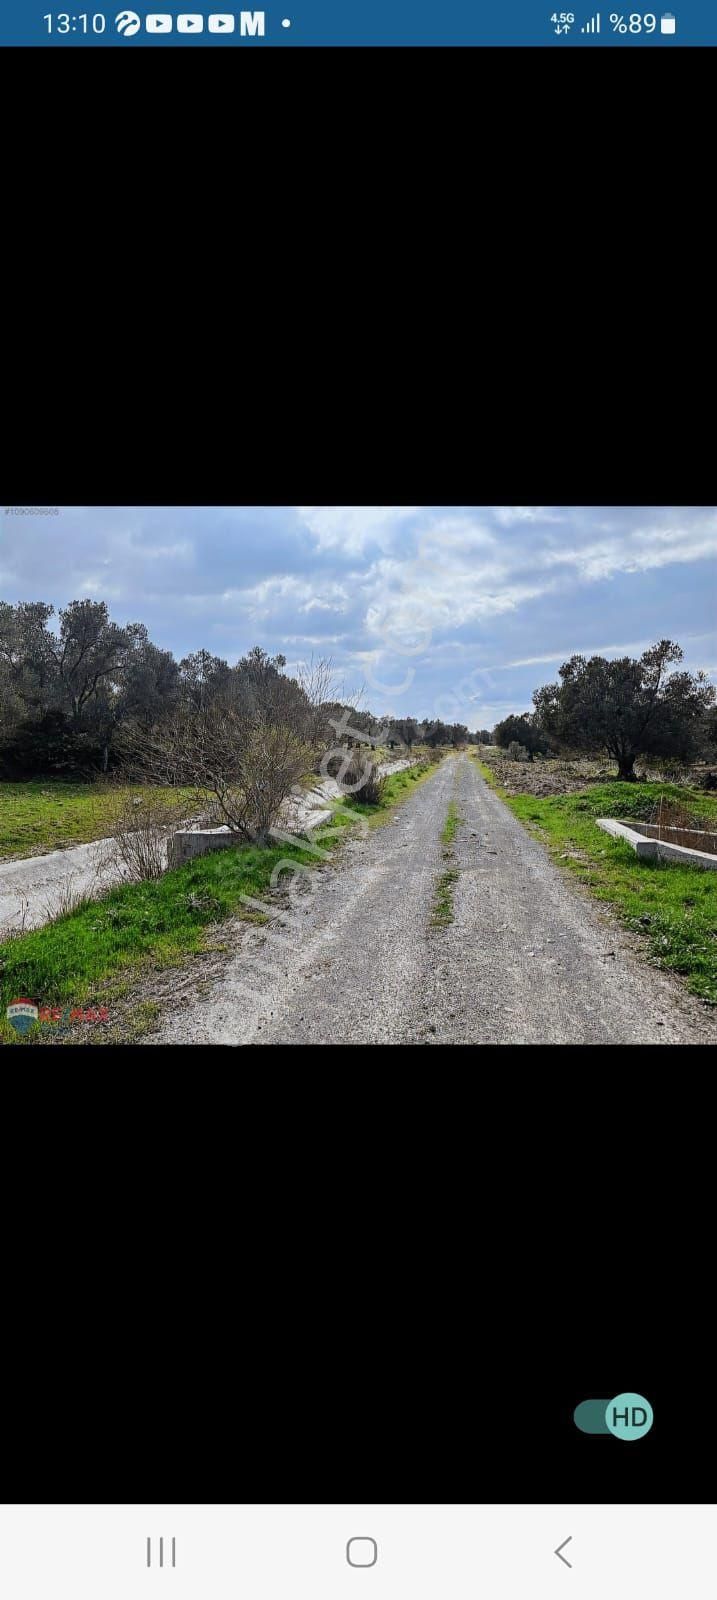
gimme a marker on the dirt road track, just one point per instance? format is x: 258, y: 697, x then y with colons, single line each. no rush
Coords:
x: 528, y: 959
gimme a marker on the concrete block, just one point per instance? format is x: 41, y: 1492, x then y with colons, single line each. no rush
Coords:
x: 681, y: 854
x: 190, y: 842
x: 658, y: 849
x: 693, y: 838
x: 638, y: 842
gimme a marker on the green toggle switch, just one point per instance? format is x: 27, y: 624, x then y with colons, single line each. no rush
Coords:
x: 589, y: 1416
x: 628, y: 1416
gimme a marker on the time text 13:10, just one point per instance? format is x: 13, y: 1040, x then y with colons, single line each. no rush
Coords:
x: 66, y: 24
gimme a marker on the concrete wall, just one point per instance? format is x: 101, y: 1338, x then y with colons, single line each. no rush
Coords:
x: 685, y: 857
x: 191, y: 842
x: 694, y: 838
x: 656, y: 849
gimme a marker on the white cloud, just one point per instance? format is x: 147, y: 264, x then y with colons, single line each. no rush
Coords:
x: 636, y: 550
x: 313, y: 638
x: 273, y: 595
x: 351, y: 528
x: 182, y: 550
x: 507, y: 516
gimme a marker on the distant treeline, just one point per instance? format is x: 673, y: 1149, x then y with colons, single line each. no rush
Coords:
x: 86, y: 695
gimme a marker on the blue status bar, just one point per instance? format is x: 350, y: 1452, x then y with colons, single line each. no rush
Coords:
x: 360, y: 22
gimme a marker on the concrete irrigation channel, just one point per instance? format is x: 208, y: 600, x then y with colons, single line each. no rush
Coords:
x: 37, y: 888
x: 687, y: 847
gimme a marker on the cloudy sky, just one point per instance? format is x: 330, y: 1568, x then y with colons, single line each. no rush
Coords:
x: 452, y: 611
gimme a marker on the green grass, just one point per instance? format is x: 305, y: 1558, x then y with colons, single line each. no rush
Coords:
x: 487, y: 771
x: 451, y: 824
x: 442, y: 909
x: 674, y: 907
x: 49, y: 814
x: 442, y: 912
x: 140, y: 924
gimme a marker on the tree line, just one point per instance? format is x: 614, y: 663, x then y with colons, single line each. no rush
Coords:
x: 627, y: 708
x: 86, y: 695
x: 80, y: 694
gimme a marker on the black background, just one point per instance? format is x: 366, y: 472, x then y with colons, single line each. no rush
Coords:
x: 284, y: 1400
x: 362, y: 1282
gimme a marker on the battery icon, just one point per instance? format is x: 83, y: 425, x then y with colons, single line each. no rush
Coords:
x: 667, y: 22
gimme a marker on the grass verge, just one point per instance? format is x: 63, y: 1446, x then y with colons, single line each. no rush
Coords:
x: 155, y: 924
x: 51, y: 814
x: 673, y: 907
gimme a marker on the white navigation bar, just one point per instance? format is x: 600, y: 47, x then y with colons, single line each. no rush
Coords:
x: 358, y: 1552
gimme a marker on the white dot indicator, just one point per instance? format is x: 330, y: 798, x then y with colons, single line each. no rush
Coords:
x: 286, y: 22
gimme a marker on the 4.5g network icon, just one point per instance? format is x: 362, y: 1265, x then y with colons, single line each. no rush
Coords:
x: 127, y: 23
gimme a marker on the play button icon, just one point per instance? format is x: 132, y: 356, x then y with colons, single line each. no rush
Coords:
x: 190, y: 23
x: 219, y: 22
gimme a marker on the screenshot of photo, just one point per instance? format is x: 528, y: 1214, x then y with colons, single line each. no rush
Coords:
x: 404, y: 776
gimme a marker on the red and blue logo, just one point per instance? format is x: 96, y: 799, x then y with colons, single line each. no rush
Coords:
x: 21, y: 1014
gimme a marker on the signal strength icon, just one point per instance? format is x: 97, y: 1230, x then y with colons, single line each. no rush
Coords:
x: 593, y: 26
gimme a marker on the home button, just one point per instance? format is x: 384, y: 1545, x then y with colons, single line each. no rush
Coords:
x: 362, y: 1552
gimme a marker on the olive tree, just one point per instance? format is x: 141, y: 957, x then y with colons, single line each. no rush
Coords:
x: 626, y: 707
x: 521, y: 731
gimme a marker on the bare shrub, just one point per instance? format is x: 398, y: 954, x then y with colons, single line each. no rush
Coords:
x: 268, y: 764
x: 363, y: 780
x: 139, y: 826
x: 243, y: 753
x: 516, y: 751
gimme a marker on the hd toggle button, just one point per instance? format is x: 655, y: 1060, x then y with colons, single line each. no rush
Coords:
x: 628, y: 1416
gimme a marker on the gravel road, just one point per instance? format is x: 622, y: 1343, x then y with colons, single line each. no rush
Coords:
x: 528, y: 959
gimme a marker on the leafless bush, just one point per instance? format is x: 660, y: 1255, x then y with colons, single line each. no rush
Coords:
x: 314, y: 680
x: 362, y: 779
x: 139, y: 825
x: 268, y: 764
x: 245, y: 752
x: 516, y: 751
